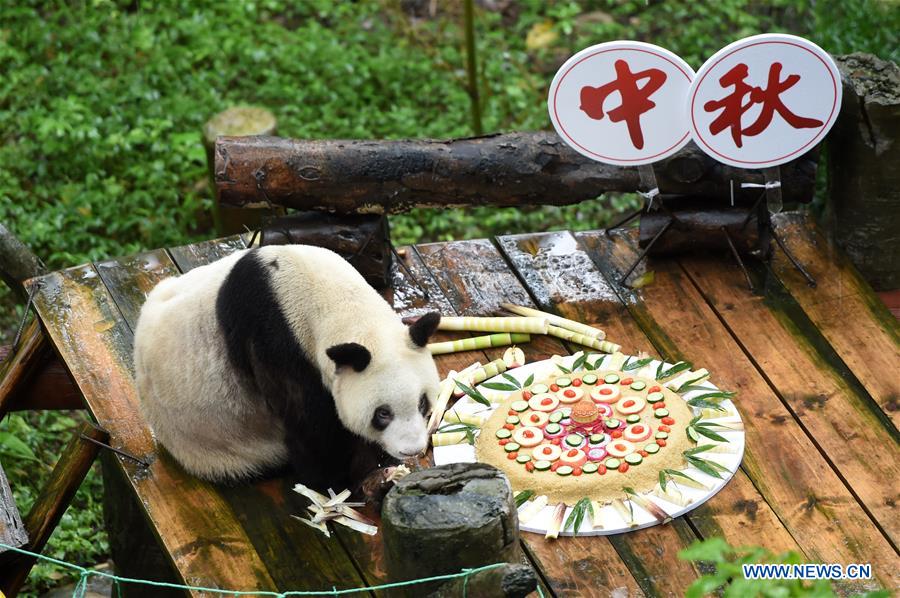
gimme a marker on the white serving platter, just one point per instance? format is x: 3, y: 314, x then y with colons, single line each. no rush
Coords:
x: 612, y: 522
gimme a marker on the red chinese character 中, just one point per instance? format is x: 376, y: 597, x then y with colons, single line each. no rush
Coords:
x: 733, y: 105
x: 635, y: 100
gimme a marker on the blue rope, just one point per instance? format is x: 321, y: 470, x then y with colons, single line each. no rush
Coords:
x: 84, y: 574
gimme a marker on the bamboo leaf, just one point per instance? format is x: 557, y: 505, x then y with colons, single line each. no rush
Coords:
x: 685, y: 389
x: 698, y: 449
x: 703, y: 404
x: 579, y: 363
x: 474, y: 394
x: 563, y: 369
x: 659, y: 370
x: 709, y: 434
x: 637, y: 364
x: 499, y: 386
x: 690, y: 382
x: 662, y: 480
x: 522, y: 497
x: 528, y: 381
x: 705, y: 466
x: 675, y: 369
x: 597, y: 363
x: 512, y: 380
x: 718, y: 394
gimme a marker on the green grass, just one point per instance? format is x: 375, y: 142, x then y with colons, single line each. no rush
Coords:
x: 101, y: 105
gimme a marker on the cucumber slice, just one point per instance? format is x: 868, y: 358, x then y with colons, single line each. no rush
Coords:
x: 564, y: 470
x: 612, y: 423
x: 612, y: 463
x: 692, y: 434
x: 660, y: 413
x: 542, y: 465
x: 589, y: 378
x: 652, y: 448
x: 523, y: 458
x: 631, y: 419
x: 503, y: 433
x: 638, y: 385
x: 655, y: 397
x: 566, y: 411
x: 512, y: 419
x: 511, y: 447
x: 519, y: 406
x: 611, y: 378
x: 590, y: 467
x: 661, y: 435
x: 597, y: 438
x: 563, y: 382
x: 552, y: 428
x: 556, y: 417
x: 539, y: 389
x: 633, y: 459
x: 574, y: 439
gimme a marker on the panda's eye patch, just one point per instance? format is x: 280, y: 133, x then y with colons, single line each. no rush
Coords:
x: 423, y: 405
x: 382, y: 418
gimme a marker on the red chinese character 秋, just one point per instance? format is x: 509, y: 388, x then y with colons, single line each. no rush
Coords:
x: 733, y: 106
x: 635, y: 100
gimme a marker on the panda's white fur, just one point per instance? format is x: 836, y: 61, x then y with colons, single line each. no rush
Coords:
x: 251, y: 362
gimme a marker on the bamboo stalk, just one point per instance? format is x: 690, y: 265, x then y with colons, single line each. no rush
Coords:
x: 555, y: 320
x: 511, y: 324
x: 488, y: 370
x: 575, y: 337
x: 440, y: 404
x: 478, y: 342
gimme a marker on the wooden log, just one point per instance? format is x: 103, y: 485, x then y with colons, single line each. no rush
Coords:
x: 45, y: 513
x: 17, y: 262
x: 441, y: 520
x: 508, y: 581
x: 700, y: 229
x: 12, y: 530
x: 863, y: 178
x: 500, y: 170
x: 238, y: 121
x: 361, y: 239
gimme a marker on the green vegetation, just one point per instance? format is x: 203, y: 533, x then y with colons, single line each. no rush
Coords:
x: 726, y: 578
x: 101, y: 105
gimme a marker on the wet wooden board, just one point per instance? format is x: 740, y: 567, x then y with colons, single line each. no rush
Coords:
x: 812, y: 381
x: 188, y: 257
x: 197, y: 529
x: 796, y: 480
x: 573, y: 565
x: 843, y: 308
x: 296, y: 556
x: 566, y: 281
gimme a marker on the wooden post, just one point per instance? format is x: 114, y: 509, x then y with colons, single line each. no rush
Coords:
x: 441, y: 520
x: 17, y: 262
x: 66, y: 477
x: 863, y: 173
x: 237, y: 122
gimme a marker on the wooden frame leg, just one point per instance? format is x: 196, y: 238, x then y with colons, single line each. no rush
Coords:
x: 53, y: 501
x: 34, y: 378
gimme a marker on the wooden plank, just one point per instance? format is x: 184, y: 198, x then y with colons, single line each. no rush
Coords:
x: 188, y: 257
x: 812, y: 382
x: 871, y: 345
x: 49, y: 507
x: 564, y: 280
x: 196, y: 528
x: 475, y: 278
x: 295, y: 555
x: 796, y: 480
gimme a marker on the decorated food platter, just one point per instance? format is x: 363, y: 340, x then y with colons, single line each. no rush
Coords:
x: 598, y: 444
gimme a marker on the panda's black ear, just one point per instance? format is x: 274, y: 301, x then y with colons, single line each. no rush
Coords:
x: 422, y: 329
x: 350, y: 354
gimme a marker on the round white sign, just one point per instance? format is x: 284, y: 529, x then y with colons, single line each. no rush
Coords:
x: 622, y: 102
x: 764, y: 100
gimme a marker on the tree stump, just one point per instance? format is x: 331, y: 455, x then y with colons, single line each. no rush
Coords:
x: 441, y: 520
x: 240, y: 121
x: 863, y: 178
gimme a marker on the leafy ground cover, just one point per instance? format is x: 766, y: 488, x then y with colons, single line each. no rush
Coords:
x: 101, y: 105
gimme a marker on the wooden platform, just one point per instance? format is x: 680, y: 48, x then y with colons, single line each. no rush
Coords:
x: 816, y: 372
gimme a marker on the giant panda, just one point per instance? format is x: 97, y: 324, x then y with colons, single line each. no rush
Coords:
x: 282, y: 355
